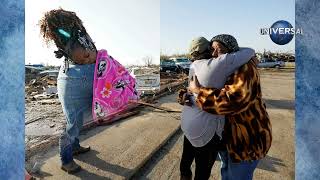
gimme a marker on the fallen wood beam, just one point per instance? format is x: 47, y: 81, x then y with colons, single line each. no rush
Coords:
x: 111, y: 119
x: 157, y: 107
x: 34, y: 120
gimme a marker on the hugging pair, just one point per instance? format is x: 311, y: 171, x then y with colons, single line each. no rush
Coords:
x: 223, y: 113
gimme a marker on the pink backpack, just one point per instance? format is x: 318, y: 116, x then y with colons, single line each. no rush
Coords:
x: 113, y: 88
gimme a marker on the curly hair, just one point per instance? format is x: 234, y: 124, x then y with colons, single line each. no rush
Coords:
x: 59, y: 19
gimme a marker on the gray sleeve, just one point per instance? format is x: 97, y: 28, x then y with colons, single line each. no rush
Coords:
x: 235, y: 60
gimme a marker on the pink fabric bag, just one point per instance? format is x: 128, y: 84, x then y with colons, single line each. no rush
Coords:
x: 113, y: 88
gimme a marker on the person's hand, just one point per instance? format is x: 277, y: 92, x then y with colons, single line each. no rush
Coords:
x: 194, y: 86
x: 184, y: 97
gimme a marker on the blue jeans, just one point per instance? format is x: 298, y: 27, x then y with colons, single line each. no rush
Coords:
x: 236, y: 171
x: 75, y: 90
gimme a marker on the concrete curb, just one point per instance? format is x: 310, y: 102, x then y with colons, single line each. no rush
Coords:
x: 162, y: 144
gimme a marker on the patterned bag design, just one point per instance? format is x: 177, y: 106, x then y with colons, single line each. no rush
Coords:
x: 113, y: 88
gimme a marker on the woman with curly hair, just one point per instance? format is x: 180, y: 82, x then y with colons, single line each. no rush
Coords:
x: 92, y: 85
x: 75, y: 80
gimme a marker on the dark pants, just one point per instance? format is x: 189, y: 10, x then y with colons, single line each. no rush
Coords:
x: 236, y: 171
x: 204, y: 158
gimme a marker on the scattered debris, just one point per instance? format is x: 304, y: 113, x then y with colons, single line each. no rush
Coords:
x: 286, y: 57
x: 170, y: 77
x: 51, y: 73
x: 35, y: 168
x: 40, y: 82
x: 49, y: 101
x: 52, y: 90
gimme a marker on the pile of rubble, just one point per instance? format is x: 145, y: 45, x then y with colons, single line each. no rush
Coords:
x: 40, y: 87
x: 169, y: 77
x: 287, y: 57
